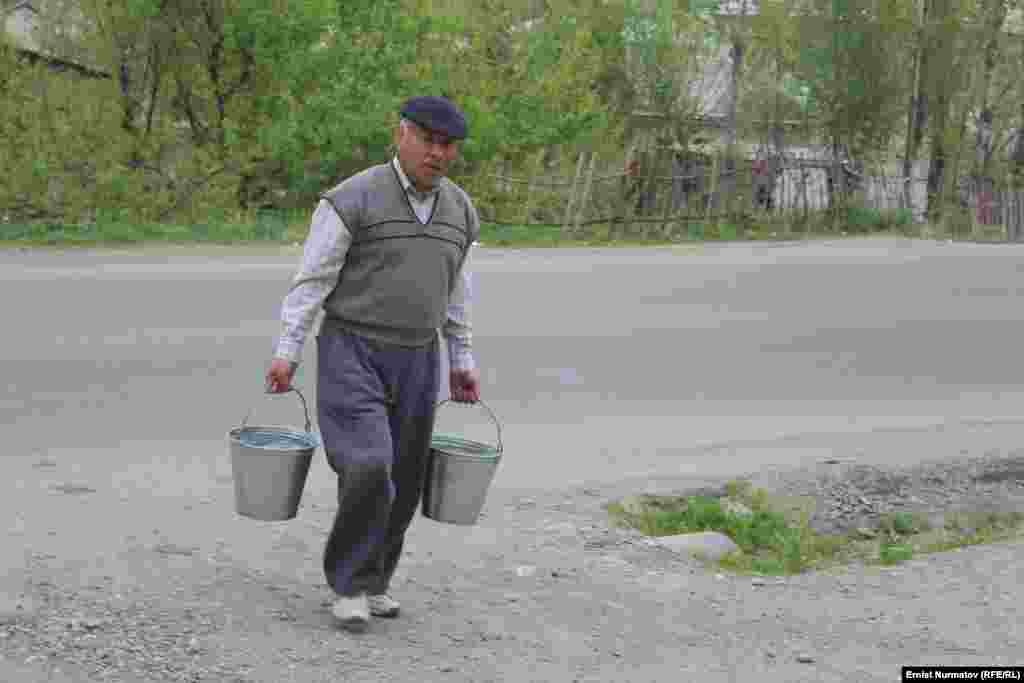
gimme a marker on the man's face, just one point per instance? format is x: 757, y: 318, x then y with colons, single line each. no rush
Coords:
x: 426, y: 155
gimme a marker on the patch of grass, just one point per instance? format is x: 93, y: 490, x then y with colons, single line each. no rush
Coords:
x: 902, y: 524
x: 520, y: 235
x: 894, y: 553
x: 775, y: 537
x: 769, y: 543
x: 291, y: 226
x: 113, y: 228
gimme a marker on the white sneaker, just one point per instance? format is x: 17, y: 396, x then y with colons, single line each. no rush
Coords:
x: 353, y: 614
x: 383, y: 606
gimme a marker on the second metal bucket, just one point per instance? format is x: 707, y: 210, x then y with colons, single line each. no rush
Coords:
x: 459, y: 473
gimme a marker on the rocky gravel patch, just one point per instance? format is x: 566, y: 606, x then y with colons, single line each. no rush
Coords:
x: 850, y: 496
x: 142, y: 639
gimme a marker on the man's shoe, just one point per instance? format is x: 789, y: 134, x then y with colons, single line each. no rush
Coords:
x: 353, y: 614
x: 383, y: 606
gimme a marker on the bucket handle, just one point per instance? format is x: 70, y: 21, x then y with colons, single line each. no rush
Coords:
x: 489, y: 412
x: 302, y: 398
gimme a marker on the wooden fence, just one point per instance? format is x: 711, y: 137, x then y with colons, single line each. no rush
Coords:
x: 638, y: 203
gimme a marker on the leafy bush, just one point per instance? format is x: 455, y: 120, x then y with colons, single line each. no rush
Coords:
x: 864, y: 220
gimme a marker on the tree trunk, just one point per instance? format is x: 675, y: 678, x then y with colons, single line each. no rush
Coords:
x: 728, y: 178
x: 937, y: 167
x: 982, y: 185
x: 1018, y: 152
x: 996, y: 14
x: 940, y: 76
x: 917, y: 111
x: 837, y: 183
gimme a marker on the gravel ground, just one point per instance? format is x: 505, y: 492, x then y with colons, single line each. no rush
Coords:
x: 849, y: 496
x: 556, y: 595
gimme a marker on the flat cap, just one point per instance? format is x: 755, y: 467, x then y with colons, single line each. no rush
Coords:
x: 436, y: 113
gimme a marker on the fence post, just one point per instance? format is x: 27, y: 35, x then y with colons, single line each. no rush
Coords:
x: 666, y: 211
x: 1009, y: 211
x: 622, y: 212
x: 803, y: 193
x: 649, y: 195
x: 531, y: 188
x: 1000, y: 199
x: 1018, y: 203
x: 1013, y: 213
x: 582, y: 207
x: 572, y: 194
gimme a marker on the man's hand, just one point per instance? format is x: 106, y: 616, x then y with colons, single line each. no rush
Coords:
x: 279, y: 377
x: 465, y: 385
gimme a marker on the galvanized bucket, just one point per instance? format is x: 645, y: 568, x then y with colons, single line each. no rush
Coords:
x: 459, y: 473
x: 269, y: 465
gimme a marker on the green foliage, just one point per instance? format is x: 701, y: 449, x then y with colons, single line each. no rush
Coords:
x: 115, y: 227
x: 769, y: 544
x: 902, y: 524
x: 510, y: 235
x: 845, y: 69
x: 58, y: 137
x: 894, y: 553
x: 237, y: 104
x: 863, y: 220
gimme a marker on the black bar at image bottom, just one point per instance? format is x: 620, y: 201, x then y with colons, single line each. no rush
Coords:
x: 963, y: 673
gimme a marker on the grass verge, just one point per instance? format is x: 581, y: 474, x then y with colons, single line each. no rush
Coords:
x: 217, y: 229
x: 775, y: 537
x: 550, y: 236
x: 291, y: 227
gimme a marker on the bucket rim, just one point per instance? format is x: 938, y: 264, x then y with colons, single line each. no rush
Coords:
x: 460, y: 440
x: 452, y: 439
x: 313, y: 440
x: 490, y: 453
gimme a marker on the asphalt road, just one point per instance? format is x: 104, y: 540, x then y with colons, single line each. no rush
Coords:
x: 602, y: 365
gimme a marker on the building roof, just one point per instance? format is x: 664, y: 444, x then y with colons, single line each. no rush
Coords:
x: 54, y: 44
x: 738, y: 8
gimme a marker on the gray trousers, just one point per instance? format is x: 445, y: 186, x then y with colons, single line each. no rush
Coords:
x: 376, y: 406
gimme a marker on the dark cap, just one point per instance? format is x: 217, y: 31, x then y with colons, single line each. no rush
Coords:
x: 436, y: 113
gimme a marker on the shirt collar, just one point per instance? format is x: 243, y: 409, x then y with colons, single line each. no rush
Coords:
x: 409, y: 187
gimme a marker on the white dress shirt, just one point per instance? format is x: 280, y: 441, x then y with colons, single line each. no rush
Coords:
x: 322, y: 260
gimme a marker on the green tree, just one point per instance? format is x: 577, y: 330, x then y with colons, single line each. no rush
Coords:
x: 199, y: 82
x: 847, y: 53
x: 58, y: 140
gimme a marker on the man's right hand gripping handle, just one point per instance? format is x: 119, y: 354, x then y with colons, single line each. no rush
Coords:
x: 279, y: 377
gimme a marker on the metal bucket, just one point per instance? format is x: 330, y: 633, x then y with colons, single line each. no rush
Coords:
x: 269, y: 465
x: 459, y: 473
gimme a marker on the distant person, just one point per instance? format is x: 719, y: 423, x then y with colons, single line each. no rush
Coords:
x: 386, y: 259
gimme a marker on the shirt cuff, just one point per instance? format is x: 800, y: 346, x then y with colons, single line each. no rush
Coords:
x: 459, y: 356
x: 288, y: 350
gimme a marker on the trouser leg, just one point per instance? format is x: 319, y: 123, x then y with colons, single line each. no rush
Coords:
x: 376, y: 411
x: 353, y: 419
x: 411, y: 422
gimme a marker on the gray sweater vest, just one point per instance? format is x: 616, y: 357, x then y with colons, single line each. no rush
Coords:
x: 399, y: 273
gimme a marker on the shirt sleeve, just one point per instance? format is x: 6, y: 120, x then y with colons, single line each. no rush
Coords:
x: 458, y: 328
x: 322, y: 259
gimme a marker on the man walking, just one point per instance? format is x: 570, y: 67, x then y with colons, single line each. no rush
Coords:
x: 386, y: 259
